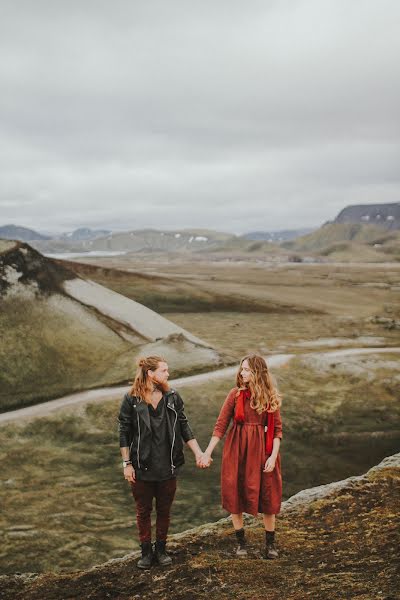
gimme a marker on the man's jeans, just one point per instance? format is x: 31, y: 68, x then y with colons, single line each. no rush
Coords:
x: 144, y: 492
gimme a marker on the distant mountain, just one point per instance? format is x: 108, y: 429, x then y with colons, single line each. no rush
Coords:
x: 84, y: 233
x: 22, y: 234
x: 147, y: 240
x: 277, y: 236
x: 385, y: 215
x: 349, y: 241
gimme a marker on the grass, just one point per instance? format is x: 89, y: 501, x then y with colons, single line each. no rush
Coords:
x: 171, y: 294
x: 65, y: 504
x: 52, y: 346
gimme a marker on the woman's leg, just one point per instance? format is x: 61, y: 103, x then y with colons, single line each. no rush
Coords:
x: 269, y: 522
x: 237, y: 521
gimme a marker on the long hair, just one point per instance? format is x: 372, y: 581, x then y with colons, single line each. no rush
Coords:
x: 142, y: 385
x: 264, y: 395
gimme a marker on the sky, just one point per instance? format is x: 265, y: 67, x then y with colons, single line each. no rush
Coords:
x: 227, y: 115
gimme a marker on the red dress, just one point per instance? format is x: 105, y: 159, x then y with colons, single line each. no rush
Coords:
x: 244, y: 485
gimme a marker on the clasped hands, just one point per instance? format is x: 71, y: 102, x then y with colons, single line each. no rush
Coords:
x: 204, y: 460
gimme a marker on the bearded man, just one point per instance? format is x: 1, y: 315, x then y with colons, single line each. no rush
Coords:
x: 152, y: 429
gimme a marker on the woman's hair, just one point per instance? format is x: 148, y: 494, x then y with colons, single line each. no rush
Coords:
x: 264, y: 395
x: 142, y: 386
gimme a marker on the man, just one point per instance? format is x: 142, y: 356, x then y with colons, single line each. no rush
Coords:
x: 152, y: 429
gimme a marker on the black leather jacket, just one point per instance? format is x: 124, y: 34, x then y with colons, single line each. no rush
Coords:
x: 135, y: 430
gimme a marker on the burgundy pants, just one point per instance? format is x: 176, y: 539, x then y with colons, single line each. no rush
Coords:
x: 144, y: 492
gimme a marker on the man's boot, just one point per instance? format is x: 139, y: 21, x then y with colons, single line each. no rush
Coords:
x: 241, y: 550
x: 147, y: 556
x: 270, y: 550
x: 161, y: 555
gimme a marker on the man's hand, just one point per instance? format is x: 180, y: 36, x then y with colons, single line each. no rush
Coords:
x: 129, y: 474
x: 204, y: 461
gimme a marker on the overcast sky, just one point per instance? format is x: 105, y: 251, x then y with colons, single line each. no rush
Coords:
x: 228, y: 115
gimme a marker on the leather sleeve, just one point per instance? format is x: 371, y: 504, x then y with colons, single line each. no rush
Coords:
x: 125, y: 423
x: 186, y: 431
x: 225, y: 415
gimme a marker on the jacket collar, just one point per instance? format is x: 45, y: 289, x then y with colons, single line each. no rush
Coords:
x: 143, y: 412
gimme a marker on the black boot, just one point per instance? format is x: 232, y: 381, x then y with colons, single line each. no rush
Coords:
x: 270, y: 550
x: 147, y: 556
x: 241, y: 550
x: 161, y: 555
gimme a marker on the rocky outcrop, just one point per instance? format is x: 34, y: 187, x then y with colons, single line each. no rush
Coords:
x: 386, y: 215
x: 336, y: 541
x: 21, y: 265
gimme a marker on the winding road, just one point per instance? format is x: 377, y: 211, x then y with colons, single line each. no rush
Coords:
x: 113, y: 393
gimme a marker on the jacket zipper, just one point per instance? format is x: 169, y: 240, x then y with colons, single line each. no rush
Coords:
x: 137, y: 452
x: 173, y: 439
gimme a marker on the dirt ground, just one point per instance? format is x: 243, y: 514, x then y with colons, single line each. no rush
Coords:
x: 339, y: 547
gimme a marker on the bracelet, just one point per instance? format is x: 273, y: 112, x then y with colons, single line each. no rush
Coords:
x: 126, y: 463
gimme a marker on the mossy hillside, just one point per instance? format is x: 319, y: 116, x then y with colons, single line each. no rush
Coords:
x: 65, y: 504
x: 341, y: 543
x: 172, y: 294
x: 50, y: 346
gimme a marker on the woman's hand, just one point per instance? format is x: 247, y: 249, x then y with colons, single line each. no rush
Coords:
x: 204, y: 461
x: 269, y: 464
x: 129, y: 474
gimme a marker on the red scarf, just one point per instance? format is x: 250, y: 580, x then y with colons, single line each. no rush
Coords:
x: 239, y: 419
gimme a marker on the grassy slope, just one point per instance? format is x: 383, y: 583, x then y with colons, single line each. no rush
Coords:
x: 51, y: 346
x: 241, y: 309
x: 170, y: 294
x: 342, y: 546
x: 62, y: 478
x: 349, y: 242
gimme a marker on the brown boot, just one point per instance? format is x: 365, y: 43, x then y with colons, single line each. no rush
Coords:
x: 147, y: 556
x: 161, y: 555
x: 241, y: 550
x: 270, y: 550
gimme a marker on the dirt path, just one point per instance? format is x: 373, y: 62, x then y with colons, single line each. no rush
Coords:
x: 113, y: 393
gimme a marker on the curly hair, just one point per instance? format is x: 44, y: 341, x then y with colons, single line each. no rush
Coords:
x: 142, y: 386
x: 264, y: 395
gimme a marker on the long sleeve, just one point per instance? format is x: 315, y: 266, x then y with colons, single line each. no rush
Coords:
x: 186, y: 431
x: 277, y: 424
x: 225, y: 415
x: 125, y: 423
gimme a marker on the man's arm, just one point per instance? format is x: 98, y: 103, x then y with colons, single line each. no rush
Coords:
x: 125, y: 433
x: 195, y: 448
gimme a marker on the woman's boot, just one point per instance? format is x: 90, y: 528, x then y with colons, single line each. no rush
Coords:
x: 270, y: 550
x: 147, y: 556
x: 241, y: 550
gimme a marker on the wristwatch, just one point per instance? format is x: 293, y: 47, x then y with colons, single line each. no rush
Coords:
x: 126, y: 463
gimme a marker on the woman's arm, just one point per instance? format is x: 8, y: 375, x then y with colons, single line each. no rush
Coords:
x: 271, y: 460
x: 221, y: 426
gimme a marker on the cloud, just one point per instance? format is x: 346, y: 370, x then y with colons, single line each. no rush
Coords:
x: 224, y: 115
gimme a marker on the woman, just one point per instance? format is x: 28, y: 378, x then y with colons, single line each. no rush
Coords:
x: 251, y: 478
x: 152, y: 429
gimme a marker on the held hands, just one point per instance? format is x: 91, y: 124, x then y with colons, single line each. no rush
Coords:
x: 203, y: 461
x: 269, y: 464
